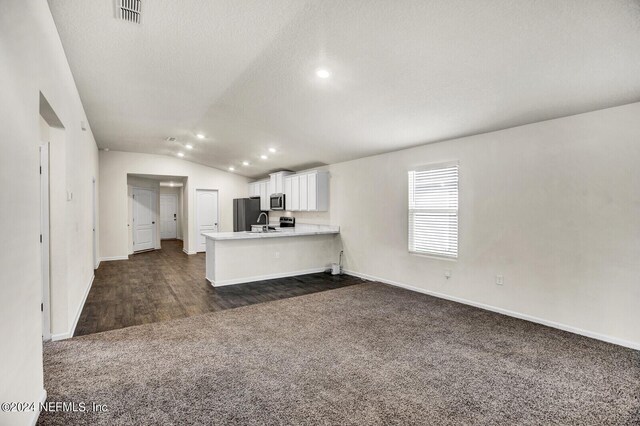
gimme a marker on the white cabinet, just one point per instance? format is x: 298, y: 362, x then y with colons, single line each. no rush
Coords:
x: 304, y: 191
x: 261, y: 189
x: 307, y: 191
x: 277, y: 182
x: 312, y: 192
x: 295, y: 193
x: 254, y: 189
x: 287, y: 193
x: 264, y: 195
x: 318, y: 191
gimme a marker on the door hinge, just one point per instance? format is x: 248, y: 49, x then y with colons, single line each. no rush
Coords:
x: 42, y: 307
x: 40, y: 169
x: 40, y: 237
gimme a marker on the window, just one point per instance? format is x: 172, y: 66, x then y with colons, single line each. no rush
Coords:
x: 433, y: 210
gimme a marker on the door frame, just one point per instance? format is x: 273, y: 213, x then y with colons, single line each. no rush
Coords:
x: 155, y: 222
x: 175, y: 197
x: 94, y: 194
x: 45, y: 250
x: 196, y: 221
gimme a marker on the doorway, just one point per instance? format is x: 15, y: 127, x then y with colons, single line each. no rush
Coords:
x: 45, y: 306
x: 206, y: 215
x: 168, y: 216
x: 144, y: 224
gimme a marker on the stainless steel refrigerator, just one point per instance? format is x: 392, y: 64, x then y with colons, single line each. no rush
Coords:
x: 245, y: 213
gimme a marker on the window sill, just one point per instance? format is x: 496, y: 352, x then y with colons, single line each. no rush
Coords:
x: 434, y: 257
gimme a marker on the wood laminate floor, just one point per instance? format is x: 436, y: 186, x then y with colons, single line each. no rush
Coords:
x: 167, y: 284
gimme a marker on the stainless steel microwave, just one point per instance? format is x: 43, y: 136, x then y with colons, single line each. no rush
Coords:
x: 277, y: 202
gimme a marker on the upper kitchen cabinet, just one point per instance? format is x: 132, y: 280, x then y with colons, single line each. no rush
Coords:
x: 261, y: 189
x: 254, y: 189
x: 308, y: 191
x: 265, y: 193
x: 277, y: 182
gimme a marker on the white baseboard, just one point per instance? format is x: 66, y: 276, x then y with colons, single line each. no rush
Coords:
x: 254, y: 278
x: 97, y: 265
x: 41, y: 400
x: 69, y: 334
x: 526, y: 317
x: 110, y: 258
x: 188, y: 252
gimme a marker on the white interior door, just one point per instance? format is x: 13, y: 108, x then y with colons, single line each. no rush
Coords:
x: 44, y: 241
x: 168, y: 216
x: 143, y: 219
x: 206, y: 215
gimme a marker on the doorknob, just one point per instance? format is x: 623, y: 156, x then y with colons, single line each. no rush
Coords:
x: 153, y: 223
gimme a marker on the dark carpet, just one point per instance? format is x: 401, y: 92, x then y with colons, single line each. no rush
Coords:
x: 361, y: 355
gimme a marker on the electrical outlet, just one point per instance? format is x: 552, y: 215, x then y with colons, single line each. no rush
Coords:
x: 276, y: 255
x: 499, y: 280
x: 447, y: 273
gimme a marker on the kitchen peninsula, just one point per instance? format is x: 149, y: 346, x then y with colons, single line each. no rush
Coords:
x: 240, y: 257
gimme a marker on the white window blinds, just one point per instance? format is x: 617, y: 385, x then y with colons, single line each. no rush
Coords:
x: 433, y: 210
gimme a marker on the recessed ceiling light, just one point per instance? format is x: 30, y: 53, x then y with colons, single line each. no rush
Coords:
x: 231, y: 168
x: 245, y: 163
x: 106, y: 149
x: 272, y: 150
x: 188, y: 146
x: 200, y: 136
x: 264, y: 157
x: 181, y: 154
x: 323, y: 73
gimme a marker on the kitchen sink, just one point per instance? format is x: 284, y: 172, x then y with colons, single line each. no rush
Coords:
x: 263, y: 230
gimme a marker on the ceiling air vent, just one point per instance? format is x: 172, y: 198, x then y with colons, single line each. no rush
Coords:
x: 128, y: 10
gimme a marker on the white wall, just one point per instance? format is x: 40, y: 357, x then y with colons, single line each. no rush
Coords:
x: 553, y: 206
x: 114, y: 167
x: 32, y: 61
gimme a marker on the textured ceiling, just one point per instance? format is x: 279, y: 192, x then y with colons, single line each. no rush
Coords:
x: 404, y: 73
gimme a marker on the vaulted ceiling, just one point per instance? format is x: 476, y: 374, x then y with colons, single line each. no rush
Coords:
x: 402, y: 73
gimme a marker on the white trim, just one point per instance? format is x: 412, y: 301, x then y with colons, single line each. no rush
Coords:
x: 110, y: 258
x: 45, y: 244
x: 189, y: 252
x: 526, y: 317
x: 41, y: 400
x: 94, y: 208
x: 221, y: 283
x: 69, y: 334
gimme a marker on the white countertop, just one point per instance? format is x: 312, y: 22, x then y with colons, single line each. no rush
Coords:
x: 300, y: 230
